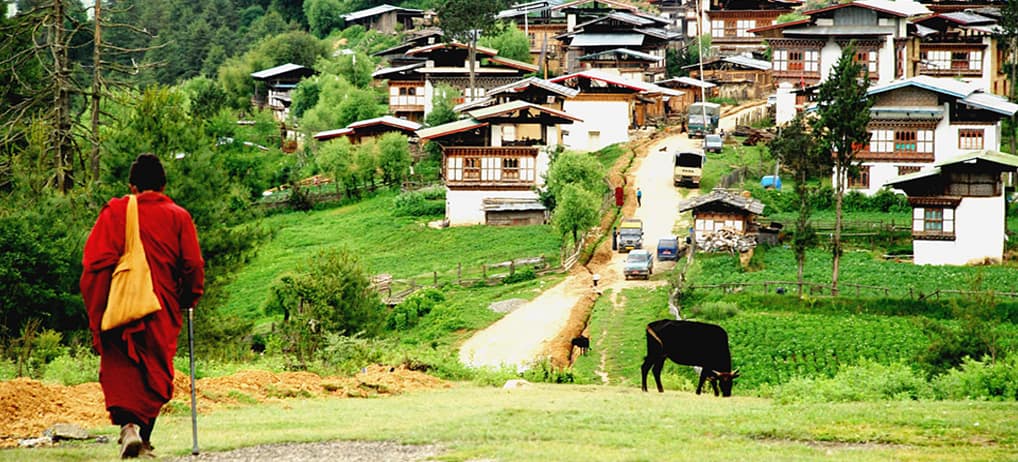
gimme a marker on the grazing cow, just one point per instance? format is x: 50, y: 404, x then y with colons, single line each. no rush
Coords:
x: 583, y: 343
x: 690, y: 343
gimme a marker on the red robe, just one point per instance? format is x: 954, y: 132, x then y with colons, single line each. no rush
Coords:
x: 136, y: 365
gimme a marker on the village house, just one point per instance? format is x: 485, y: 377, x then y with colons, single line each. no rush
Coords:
x: 693, y: 90
x: 273, y: 87
x: 386, y: 18
x: 371, y: 130
x: 724, y: 212
x: 412, y: 87
x: 628, y: 44
x: 958, y: 208
x: 609, y: 106
x: 919, y: 121
x: 396, y: 56
x: 737, y: 77
x: 805, y: 52
x: 962, y: 44
x: 494, y: 160
x: 730, y: 22
x: 533, y: 90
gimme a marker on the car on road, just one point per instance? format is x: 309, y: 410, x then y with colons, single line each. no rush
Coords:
x: 630, y: 234
x: 668, y: 248
x: 639, y: 263
x: 713, y: 143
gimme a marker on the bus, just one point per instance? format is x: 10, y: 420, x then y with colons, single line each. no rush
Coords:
x: 688, y: 168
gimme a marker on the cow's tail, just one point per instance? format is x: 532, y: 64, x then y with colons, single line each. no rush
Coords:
x: 653, y: 334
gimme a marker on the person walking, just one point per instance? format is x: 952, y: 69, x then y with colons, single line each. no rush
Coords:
x: 639, y: 197
x: 136, y: 359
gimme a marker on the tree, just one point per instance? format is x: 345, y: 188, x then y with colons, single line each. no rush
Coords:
x: 442, y: 104
x: 335, y: 158
x: 572, y: 168
x: 843, y: 112
x: 510, y: 42
x: 465, y: 20
x: 794, y: 148
x: 394, y: 158
x: 340, y: 104
x: 577, y: 209
x: 323, y: 16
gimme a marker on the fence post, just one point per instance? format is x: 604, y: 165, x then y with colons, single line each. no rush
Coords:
x: 512, y: 267
x: 459, y: 273
x: 484, y: 272
x: 435, y: 274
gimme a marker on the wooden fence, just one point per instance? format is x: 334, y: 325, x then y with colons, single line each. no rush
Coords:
x: 394, y: 291
x: 844, y: 289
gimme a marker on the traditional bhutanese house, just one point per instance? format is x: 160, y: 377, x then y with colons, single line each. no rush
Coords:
x: 739, y: 77
x: 372, y: 129
x: 622, y: 43
x: 273, y: 87
x: 922, y: 120
x: 609, y: 105
x: 494, y: 160
x: 719, y: 210
x: 387, y: 19
x: 805, y: 52
x: 731, y: 20
x: 412, y: 87
x: 533, y: 90
x: 958, y: 208
x: 961, y: 44
x: 542, y: 21
x: 396, y: 56
x: 693, y: 90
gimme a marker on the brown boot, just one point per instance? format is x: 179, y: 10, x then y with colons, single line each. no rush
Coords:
x: 130, y: 441
x: 147, y: 451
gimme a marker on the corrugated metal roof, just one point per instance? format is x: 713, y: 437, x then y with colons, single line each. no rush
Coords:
x: 991, y: 103
x: 514, y: 63
x: 748, y: 62
x: 498, y: 109
x: 330, y: 134
x: 622, y: 52
x: 494, y: 204
x: 274, y: 71
x: 537, y: 82
x: 904, y: 8
x: 396, y: 70
x: 380, y: 9
x: 987, y: 155
x: 687, y: 81
x: 387, y: 120
x: 924, y: 31
x: 956, y: 88
x: 748, y: 204
x: 924, y: 173
x: 967, y: 18
x: 449, y: 128
x: 593, y: 40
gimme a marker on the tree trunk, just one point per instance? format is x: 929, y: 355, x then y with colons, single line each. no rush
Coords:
x: 96, y: 91
x: 62, y: 144
x: 839, y: 176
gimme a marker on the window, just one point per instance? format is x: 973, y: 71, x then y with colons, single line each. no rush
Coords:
x: 906, y: 141
x: 933, y: 221
x: 937, y: 59
x: 975, y: 60
x: 743, y: 25
x: 800, y: 60
x: 471, y: 168
x: 970, y: 138
x: 906, y: 169
x: 860, y: 179
x: 881, y: 140
x: 780, y: 60
x: 868, y: 59
x: 717, y: 28
x: 510, y: 169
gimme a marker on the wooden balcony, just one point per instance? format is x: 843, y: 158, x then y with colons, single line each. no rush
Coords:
x: 498, y: 168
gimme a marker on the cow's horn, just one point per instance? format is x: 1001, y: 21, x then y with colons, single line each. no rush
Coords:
x: 716, y: 372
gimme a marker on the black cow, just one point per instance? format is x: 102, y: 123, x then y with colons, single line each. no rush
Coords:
x: 690, y: 343
x: 583, y: 343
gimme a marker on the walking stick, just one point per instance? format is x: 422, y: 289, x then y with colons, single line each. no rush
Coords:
x: 194, y: 408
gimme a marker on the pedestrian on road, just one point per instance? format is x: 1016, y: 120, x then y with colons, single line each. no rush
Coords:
x: 639, y: 197
x: 596, y: 277
x: 136, y: 358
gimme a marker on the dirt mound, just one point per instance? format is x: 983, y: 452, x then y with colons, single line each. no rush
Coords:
x: 28, y: 406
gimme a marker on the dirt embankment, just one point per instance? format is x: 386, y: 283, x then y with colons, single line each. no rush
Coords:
x: 28, y: 406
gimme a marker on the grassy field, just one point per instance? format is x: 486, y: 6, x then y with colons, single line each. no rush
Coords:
x: 401, y: 246
x: 597, y: 423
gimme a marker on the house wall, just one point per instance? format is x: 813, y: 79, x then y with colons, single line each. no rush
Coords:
x: 610, y: 118
x: 464, y: 207
x: 979, y: 234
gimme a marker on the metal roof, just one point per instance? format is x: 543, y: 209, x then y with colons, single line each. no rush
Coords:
x: 992, y: 103
x: 493, y: 204
x: 614, y: 79
x: 518, y: 86
x: 748, y: 204
x: 499, y: 109
x: 625, y: 52
x: 449, y: 128
x: 380, y: 9
x: 396, y: 70
x: 387, y: 120
x: 967, y: 18
x: 330, y: 134
x: 593, y: 40
x: 688, y: 81
x: 513, y: 63
x: 900, y: 8
x: 989, y: 156
x: 436, y: 46
x: 748, y: 62
x: 968, y: 93
x: 274, y: 71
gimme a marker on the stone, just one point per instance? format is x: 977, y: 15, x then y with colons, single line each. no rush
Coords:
x: 66, y: 431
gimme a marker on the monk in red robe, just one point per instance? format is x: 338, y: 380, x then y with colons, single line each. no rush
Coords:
x: 136, y: 360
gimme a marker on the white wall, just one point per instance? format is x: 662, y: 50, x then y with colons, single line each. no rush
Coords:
x: 611, y: 118
x: 979, y: 234
x: 829, y: 56
x: 464, y: 207
x: 784, y: 107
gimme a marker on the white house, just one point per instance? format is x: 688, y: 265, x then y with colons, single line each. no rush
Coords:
x: 963, y: 44
x: 494, y: 161
x: 805, y: 52
x: 922, y: 120
x: 958, y: 208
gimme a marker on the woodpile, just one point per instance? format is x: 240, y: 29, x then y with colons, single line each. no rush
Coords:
x: 725, y: 240
x: 753, y: 135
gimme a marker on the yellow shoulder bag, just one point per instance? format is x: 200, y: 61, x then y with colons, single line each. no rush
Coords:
x: 132, y: 296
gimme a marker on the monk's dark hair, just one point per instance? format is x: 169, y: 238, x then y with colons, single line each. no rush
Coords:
x: 147, y: 173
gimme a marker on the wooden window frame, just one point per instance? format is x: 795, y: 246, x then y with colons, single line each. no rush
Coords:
x: 860, y: 180
x: 906, y: 169
x: 510, y: 168
x: 934, y: 222
x: 972, y: 139
x: 471, y: 168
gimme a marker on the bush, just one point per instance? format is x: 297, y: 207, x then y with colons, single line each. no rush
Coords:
x: 70, y: 370
x: 523, y: 274
x: 415, y: 204
x: 715, y: 310
x: 866, y: 381
x: 410, y: 311
x: 980, y: 379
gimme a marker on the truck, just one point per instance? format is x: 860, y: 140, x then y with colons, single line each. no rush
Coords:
x: 630, y: 234
x: 688, y: 168
x: 702, y: 119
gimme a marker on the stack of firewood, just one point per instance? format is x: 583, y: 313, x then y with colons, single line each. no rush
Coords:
x: 725, y: 240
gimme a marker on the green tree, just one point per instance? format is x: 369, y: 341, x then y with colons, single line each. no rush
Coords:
x: 843, y: 112
x: 394, y: 158
x: 340, y: 104
x: 510, y: 42
x: 572, y: 168
x: 466, y: 20
x: 366, y: 163
x: 335, y: 159
x: 795, y: 149
x: 442, y: 104
x: 355, y: 67
x: 323, y: 16
x: 205, y: 98
x: 577, y: 209
x: 1007, y: 39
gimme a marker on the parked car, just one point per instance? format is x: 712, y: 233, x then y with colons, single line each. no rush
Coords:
x: 712, y: 143
x: 630, y: 234
x: 639, y: 263
x: 668, y: 249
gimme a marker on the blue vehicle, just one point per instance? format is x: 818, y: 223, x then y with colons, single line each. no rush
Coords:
x: 668, y: 249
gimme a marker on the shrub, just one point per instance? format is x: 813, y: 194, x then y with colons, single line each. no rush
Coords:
x: 714, y: 310
x: 980, y: 379
x: 349, y: 353
x: 523, y: 274
x: 866, y: 381
x: 410, y: 311
x: 415, y: 204
x: 70, y: 370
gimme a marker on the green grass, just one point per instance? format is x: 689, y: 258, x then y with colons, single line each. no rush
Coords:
x: 735, y: 155
x: 596, y: 423
x: 400, y: 246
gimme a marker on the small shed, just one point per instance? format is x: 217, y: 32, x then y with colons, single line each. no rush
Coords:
x: 278, y: 82
x: 721, y: 210
x: 514, y: 212
x: 372, y: 129
x: 958, y: 208
x: 387, y: 19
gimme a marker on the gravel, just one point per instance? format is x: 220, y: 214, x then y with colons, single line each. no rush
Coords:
x: 335, y: 451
